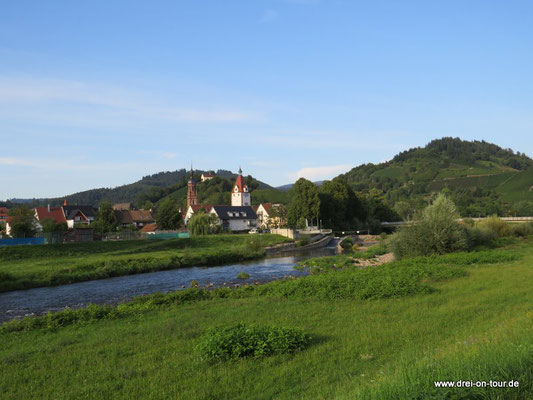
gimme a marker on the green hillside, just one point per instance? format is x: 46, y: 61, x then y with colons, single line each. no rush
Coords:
x: 482, y: 178
x: 156, y: 187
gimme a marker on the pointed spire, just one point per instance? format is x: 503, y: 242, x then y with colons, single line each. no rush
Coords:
x: 240, y: 170
x: 65, y: 203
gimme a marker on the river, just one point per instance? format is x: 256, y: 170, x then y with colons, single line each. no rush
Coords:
x: 39, y: 301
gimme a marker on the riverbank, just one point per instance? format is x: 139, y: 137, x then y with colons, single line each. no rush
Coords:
x: 378, y: 333
x: 24, y: 267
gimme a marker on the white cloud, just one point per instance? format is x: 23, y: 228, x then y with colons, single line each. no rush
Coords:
x: 268, y: 16
x: 321, y: 173
x: 54, y: 164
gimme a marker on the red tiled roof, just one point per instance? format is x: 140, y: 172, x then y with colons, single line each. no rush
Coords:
x: 55, y: 213
x: 149, y: 228
x: 4, y: 210
x: 240, y: 184
x: 198, y: 207
x: 267, y: 207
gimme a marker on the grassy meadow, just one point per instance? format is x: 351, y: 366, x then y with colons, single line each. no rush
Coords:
x: 385, y: 332
x: 23, y: 267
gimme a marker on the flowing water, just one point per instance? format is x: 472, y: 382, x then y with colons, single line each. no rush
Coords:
x: 116, y: 290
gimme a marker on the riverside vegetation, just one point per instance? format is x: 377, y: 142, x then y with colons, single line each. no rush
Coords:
x: 386, y: 332
x: 23, y: 267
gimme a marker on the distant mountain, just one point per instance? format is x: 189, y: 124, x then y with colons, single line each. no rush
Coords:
x: 480, y: 177
x: 151, y: 187
x: 286, y: 188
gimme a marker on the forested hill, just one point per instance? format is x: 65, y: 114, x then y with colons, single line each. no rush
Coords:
x: 480, y: 177
x: 149, y: 188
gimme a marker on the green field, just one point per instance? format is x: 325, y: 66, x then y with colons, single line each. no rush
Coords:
x: 23, y: 267
x: 463, y: 316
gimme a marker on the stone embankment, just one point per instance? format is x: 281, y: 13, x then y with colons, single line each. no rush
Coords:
x: 323, y: 242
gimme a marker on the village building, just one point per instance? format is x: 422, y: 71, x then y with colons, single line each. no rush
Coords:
x: 9, y: 221
x: 78, y: 214
x: 240, y: 196
x: 192, y: 195
x: 207, y: 176
x: 270, y: 215
x: 137, y: 218
x: 54, y: 213
x: 149, y: 229
x: 235, y: 218
x: 194, y: 209
x: 123, y: 206
x: 4, y: 212
x: 238, y: 217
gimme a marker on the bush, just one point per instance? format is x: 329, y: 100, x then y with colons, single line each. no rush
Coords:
x: 522, y: 229
x: 469, y: 222
x: 241, y: 341
x: 495, y: 225
x: 347, y: 245
x: 435, y: 231
x: 480, y: 237
x: 243, y: 275
x: 303, y: 241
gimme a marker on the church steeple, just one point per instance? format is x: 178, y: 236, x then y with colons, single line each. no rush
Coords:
x: 240, y: 195
x: 192, y: 196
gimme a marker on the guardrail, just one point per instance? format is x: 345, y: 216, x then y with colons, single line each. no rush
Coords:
x: 507, y: 219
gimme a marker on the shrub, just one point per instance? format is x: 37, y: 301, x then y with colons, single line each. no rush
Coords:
x: 480, y: 237
x: 495, y: 225
x: 303, y: 241
x: 522, y: 229
x: 243, y: 275
x: 436, y: 231
x: 469, y: 222
x: 239, y: 341
x: 347, y: 245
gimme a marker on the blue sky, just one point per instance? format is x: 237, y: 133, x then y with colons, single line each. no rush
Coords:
x: 101, y: 93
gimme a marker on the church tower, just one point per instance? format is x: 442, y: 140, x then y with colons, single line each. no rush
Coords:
x: 240, y: 195
x: 192, y: 196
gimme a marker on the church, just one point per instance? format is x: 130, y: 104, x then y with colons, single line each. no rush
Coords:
x: 239, y: 217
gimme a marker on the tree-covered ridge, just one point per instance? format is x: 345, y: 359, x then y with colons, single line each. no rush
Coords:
x: 481, y: 178
x: 153, y: 188
x: 467, y: 152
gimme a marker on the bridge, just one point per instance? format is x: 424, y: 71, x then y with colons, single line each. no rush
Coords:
x: 507, y: 219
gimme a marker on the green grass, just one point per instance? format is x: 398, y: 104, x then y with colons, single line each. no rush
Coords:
x: 474, y: 325
x: 23, y: 267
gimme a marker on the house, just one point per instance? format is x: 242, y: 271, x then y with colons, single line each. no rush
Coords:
x: 4, y: 212
x: 149, y: 228
x: 235, y: 218
x: 139, y: 218
x: 194, y: 209
x: 123, y: 206
x: 9, y: 223
x: 207, y: 176
x: 270, y: 215
x: 78, y: 214
x: 54, y: 213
